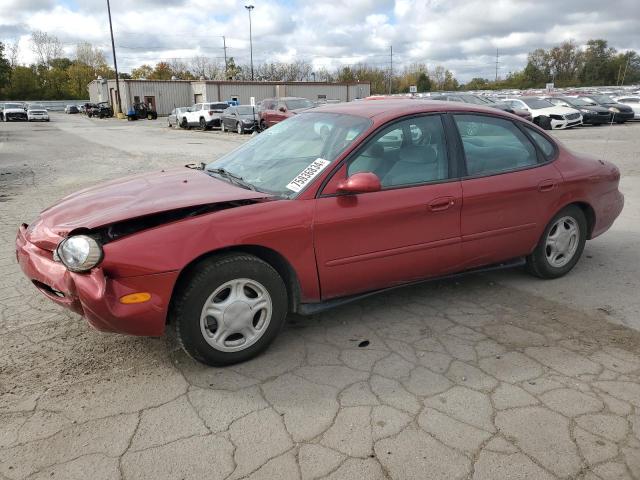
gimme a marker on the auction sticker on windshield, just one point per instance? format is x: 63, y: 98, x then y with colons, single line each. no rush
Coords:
x: 308, y: 174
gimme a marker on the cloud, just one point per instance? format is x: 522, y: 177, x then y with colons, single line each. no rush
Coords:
x: 461, y: 35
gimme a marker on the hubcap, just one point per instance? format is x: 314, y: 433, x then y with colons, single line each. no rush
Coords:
x: 562, y: 242
x: 236, y: 315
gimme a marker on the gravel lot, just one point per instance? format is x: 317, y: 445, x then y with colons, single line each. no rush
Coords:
x: 489, y: 377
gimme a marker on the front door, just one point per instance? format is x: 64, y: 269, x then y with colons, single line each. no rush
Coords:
x: 408, y: 231
x: 509, y: 190
x: 151, y: 101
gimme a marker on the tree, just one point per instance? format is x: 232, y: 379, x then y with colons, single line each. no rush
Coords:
x: 233, y: 71
x: 5, y: 68
x: 477, y: 83
x: 46, y: 47
x: 598, y: 62
x: 423, y: 83
x: 142, y: 72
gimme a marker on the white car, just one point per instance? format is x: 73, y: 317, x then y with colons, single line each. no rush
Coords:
x: 632, y: 101
x: 205, y: 115
x: 37, y: 113
x: 14, y: 112
x: 546, y: 114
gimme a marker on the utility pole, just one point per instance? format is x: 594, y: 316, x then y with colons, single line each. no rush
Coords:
x: 115, y: 63
x: 224, y: 46
x: 390, y: 67
x: 497, y: 62
x: 249, y: 8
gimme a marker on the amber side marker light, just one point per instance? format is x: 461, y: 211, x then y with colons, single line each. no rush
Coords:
x: 139, y: 297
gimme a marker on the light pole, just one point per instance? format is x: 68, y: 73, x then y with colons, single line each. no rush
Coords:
x: 249, y: 8
x: 115, y: 63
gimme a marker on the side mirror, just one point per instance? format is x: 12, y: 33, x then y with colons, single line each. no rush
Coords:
x: 282, y: 109
x: 361, y: 182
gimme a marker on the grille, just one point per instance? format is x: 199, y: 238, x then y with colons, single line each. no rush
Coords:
x: 572, y: 116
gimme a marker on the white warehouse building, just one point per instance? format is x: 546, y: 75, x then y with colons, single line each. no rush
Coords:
x: 165, y: 95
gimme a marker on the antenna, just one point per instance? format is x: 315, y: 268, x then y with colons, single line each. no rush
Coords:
x: 390, y: 67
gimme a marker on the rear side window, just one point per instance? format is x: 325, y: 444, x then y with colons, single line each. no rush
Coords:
x: 545, y: 145
x: 493, y: 145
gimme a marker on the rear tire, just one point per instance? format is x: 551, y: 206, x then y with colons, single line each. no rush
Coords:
x: 225, y: 303
x: 561, y: 244
x: 263, y: 125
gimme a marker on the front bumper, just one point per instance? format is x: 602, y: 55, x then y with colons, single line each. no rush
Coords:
x: 38, y: 118
x: 596, y: 119
x: 562, y: 124
x: 95, y: 295
x: 15, y: 117
x: 623, y: 116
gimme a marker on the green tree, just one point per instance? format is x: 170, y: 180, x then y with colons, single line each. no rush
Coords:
x: 5, y: 68
x: 423, y: 83
x: 598, y: 67
x: 142, y: 72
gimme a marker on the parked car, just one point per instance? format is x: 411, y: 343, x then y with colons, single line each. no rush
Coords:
x: 14, y: 112
x: 205, y: 115
x: 631, y: 101
x: 71, y: 109
x: 477, y: 100
x: 37, y: 113
x: 591, y: 113
x: 138, y: 111
x: 274, y: 110
x: 100, y: 110
x: 177, y: 116
x: 546, y: 114
x: 621, y: 113
x: 242, y: 118
x: 330, y: 205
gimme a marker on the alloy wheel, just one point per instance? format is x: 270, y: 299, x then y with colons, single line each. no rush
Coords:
x: 562, y: 242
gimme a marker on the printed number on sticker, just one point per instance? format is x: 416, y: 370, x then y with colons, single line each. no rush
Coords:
x: 308, y: 174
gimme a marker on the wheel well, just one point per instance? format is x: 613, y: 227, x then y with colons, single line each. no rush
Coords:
x: 589, y: 214
x: 273, y: 258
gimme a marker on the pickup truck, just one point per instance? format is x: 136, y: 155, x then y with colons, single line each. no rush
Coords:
x: 205, y: 115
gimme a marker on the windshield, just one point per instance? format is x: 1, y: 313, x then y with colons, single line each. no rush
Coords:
x: 298, y: 103
x: 273, y: 161
x: 602, y: 98
x: 36, y: 107
x: 244, y: 110
x: 12, y: 105
x: 473, y: 99
x: 578, y: 102
x: 537, y: 103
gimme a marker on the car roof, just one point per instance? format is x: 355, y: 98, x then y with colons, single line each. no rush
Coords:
x: 398, y: 108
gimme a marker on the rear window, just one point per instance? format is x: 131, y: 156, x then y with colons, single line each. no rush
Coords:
x: 299, y: 103
x: 545, y: 145
x: 218, y: 106
x: 245, y: 110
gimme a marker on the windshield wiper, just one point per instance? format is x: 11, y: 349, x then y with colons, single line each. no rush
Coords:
x: 231, y: 176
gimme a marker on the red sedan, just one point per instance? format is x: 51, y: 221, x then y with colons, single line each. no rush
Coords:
x: 332, y: 204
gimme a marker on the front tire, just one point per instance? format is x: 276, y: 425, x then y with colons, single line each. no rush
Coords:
x: 239, y: 128
x: 203, y: 124
x: 229, y: 309
x: 545, y: 123
x: 222, y: 127
x: 561, y: 244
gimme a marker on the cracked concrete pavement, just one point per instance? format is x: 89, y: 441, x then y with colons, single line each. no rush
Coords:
x: 485, y: 377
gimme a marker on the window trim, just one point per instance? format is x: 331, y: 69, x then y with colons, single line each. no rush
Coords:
x: 463, y: 158
x: 454, y: 172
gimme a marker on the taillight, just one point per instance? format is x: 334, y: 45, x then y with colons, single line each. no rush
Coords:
x: 210, y: 112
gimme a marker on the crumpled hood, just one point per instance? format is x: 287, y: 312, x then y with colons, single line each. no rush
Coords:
x: 132, y: 197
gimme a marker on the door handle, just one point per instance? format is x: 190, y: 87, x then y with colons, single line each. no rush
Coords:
x: 441, y: 204
x: 546, y: 185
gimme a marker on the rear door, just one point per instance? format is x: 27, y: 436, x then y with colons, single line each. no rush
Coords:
x: 510, y: 190
x: 410, y: 230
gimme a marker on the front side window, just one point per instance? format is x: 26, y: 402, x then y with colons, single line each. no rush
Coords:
x: 274, y: 161
x: 411, y: 151
x: 493, y: 145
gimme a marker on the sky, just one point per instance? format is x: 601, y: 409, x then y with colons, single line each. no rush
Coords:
x: 461, y: 35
